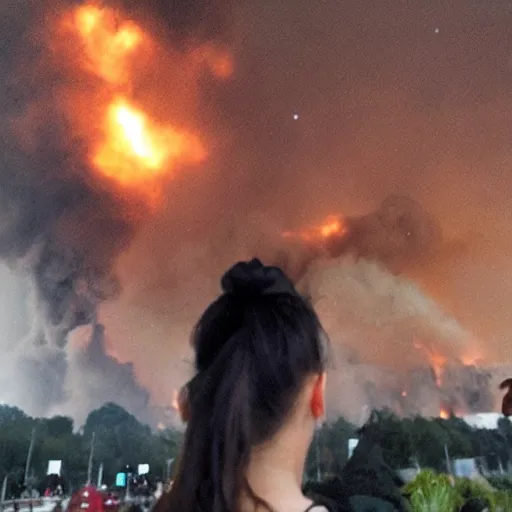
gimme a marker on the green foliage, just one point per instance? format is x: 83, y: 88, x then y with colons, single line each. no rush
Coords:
x: 474, y: 489
x: 501, y: 483
x: 120, y: 440
x: 330, y: 447
x: 503, y: 501
x: 434, y: 499
x: 394, y: 436
x: 431, y: 492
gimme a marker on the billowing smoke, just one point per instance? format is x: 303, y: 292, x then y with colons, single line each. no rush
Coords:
x: 94, y: 377
x: 394, y: 346
x: 400, y: 234
x: 63, y: 225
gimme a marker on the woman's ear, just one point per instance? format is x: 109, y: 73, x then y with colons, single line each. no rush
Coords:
x: 318, y: 397
x: 183, y: 404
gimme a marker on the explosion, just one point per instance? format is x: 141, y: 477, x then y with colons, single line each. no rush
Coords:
x: 136, y: 151
x: 129, y: 145
x: 107, y: 42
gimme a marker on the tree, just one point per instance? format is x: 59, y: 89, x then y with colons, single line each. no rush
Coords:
x: 58, y: 426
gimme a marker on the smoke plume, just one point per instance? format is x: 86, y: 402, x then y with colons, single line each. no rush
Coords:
x: 63, y: 226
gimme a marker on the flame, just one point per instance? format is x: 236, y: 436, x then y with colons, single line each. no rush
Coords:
x: 136, y: 149
x: 444, y: 414
x: 332, y: 226
x: 436, y: 359
x: 128, y: 144
x: 470, y: 359
x: 107, y: 42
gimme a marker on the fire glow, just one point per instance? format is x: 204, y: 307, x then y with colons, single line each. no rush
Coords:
x: 135, y: 149
x: 107, y: 43
x: 436, y: 359
x: 128, y: 144
x: 333, y: 226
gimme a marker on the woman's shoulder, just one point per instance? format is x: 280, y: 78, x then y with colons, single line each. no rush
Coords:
x: 328, y: 495
x: 324, y: 504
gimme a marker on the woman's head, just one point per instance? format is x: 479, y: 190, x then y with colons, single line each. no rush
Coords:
x: 259, y: 360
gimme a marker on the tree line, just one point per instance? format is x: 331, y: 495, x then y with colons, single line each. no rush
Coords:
x: 120, y: 440
x: 413, y: 442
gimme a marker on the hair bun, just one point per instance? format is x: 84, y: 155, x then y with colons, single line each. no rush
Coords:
x: 254, y: 278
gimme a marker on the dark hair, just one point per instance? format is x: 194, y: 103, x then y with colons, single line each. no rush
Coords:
x: 254, y: 347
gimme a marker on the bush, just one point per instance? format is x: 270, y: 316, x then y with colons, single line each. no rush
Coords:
x: 468, y: 489
x: 501, y: 483
x: 503, y: 500
x: 430, y: 492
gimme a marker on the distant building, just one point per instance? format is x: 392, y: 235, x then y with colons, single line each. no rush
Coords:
x: 485, y: 420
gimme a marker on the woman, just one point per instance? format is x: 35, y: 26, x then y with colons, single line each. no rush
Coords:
x: 255, y: 400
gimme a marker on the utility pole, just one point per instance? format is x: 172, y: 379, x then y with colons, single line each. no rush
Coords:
x: 100, y: 475
x: 448, y: 461
x: 29, y: 456
x: 91, y: 458
x: 4, y: 491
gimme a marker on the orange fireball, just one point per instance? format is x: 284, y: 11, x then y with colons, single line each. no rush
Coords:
x: 444, y: 414
x: 127, y: 143
x: 136, y: 149
x: 107, y: 42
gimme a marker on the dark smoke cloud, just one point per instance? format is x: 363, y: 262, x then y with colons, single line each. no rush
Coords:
x: 94, y: 377
x: 201, y: 20
x: 400, y: 234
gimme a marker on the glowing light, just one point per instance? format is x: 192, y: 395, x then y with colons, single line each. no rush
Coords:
x: 107, y: 42
x: 332, y: 226
x: 470, y: 359
x: 436, y: 359
x: 136, y: 149
x: 219, y: 62
x: 444, y: 414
